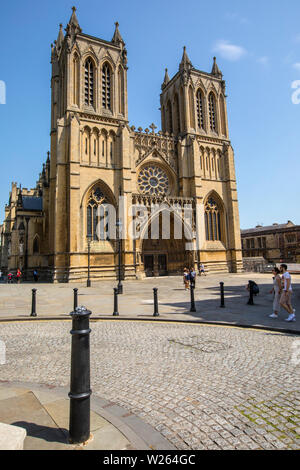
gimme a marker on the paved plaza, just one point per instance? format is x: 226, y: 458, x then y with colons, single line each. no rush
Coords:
x: 199, y: 386
x: 180, y: 384
x: 56, y: 300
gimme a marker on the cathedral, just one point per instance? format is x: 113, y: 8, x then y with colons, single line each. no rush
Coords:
x: 97, y: 158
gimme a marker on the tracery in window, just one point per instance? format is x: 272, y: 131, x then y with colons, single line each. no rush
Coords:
x: 96, y: 199
x: 200, y: 109
x: 212, y: 112
x: 212, y: 217
x: 153, y: 180
x: 89, y: 82
x: 106, y: 86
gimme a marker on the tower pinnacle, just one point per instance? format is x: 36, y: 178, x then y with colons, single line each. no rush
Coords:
x: 215, y: 69
x: 117, y: 38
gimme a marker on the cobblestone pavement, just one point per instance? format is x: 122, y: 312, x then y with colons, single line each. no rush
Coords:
x: 174, y: 302
x: 202, y: 387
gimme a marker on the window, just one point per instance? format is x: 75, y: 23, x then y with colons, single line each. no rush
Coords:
x: 121, y: 90
x: 212, y: 220
x: 200, y: 109
x: 212, y: 112
x: 89, y: 82
x: 106, y: 87
x: 192, y: 108
x: 36, y: 246
x: 96, y: 199
x: 169, y: 118
x: 222, y: 115
x: 291, y: 238
x: 75, y: 80
x: 177, y: 114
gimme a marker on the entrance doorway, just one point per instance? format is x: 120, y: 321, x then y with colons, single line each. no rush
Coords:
x: 149, y: 265
x: 155, y: 264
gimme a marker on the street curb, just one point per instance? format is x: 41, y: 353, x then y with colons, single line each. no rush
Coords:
x: 156, y: 319
x: 141, y: 435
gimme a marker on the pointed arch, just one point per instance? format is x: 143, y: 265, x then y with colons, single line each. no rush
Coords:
x: 200, y: 109
x: 99, y: 211
x: 111, y: 147
x: 75, y: 66
x: 85, y: 144
x: 89, y: 82
x: 192, y: 108
x: 106, y: 86
x: 212, y: 110
x: 169, y: 117
x: 36, y: 245
x: 214, y: 217
x: 223, y: 115
x: 121, y: 94
x: 177, y: 114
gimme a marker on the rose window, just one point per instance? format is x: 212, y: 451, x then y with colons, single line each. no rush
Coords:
x: 153, y: 180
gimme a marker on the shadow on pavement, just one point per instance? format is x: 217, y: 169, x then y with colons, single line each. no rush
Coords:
x: 44, y: 432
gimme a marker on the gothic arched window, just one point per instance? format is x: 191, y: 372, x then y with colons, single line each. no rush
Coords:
x: 200, y: 109
x: 106, y: 86
x: 222, y: 114
x: 212, y: 220
x: 169, y: 118
x: 212, y: 112
x: 76, y: 79
x: 177, y: 113
x: 36, y: 246
x: 97, y: 225
x: 89, y: 82
x: 121, y: 90
x: 192, y: 108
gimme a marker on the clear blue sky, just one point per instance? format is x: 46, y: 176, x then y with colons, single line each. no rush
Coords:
x: 257, y: 44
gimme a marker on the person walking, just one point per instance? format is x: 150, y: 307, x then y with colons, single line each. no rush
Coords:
x: 192, y: 277
x: 9, y: 278
x: 276, y: 290
x: 19, y: 274
x: 35, y: 276
x: 286, y: 296
x: 186, y: 278
x: 202, y: 270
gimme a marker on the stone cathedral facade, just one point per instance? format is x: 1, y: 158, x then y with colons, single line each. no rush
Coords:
x: 96, y: 156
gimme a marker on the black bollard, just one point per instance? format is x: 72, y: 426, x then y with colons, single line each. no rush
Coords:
x: 222, y: 295
x: 80, y: 392
x: 33, y: 304
x: 75, y: 299
x: 116, y: 313
x: 193, y: 306
x: 155, y: 313
x: 250, y: 301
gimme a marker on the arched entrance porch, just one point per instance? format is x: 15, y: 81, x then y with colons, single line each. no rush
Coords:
x: 164, y: 252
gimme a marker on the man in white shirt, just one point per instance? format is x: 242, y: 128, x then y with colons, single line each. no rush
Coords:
x: 286, y: 296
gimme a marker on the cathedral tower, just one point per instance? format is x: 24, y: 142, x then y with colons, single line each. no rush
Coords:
x: 88, y: 118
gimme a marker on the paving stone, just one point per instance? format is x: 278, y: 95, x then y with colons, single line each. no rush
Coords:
x: 192, y: 397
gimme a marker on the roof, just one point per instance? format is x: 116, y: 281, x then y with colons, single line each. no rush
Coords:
x: 269, y: 228
x: 32, y: 203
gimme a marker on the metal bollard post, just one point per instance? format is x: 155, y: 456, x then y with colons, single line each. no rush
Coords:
x: 116, y: 313
x: 193, y: 306
x: 33, y: 304
x: 222, y: 295
x: 80, y: 392
x: 155, y: 313
x: 75, y: 299
x: 250, y: 301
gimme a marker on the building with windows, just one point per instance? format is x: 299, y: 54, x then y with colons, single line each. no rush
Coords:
x: 97, y: 159
x: 277, y: 243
